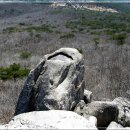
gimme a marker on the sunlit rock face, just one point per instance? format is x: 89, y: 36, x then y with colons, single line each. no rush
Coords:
x: 53, y: 119
x: 56, y: 83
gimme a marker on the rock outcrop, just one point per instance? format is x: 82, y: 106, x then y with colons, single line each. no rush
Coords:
x: 115, y: 126
x: 123, y: 105
x: 87, y: 96
x: 105, y: 112
x: 79, y: 109
x: 56, y: 83
x: 53, y: 119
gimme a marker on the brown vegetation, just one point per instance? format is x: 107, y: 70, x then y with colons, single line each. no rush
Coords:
x: 107, y: 63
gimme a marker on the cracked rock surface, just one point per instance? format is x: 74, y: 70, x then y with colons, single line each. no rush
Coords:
x: 55, y: 84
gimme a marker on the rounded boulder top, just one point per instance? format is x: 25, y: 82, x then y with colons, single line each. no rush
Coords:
x: 65, y: 54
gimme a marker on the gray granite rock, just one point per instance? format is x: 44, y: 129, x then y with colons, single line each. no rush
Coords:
x: 52, y: 119
x: 123, y: 105
x: 115, y: 126
x: 104, y: 111
x: 56, y: 83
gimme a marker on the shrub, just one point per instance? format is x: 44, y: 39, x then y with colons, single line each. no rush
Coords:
x: 57, y: 32
x: 120, y: 38
x: 128, y: 30
x: 110, y: 31
x: 22, y: 24
x: 56, y: 12
x: 72, y: 24
x: 38, y: 35
x: 95, y: 32
x: 96, y: 41
x: 41, y: 28
x: 99, y: 21
x: 67, y: 36
x: 25, y: 55
x: 13, y: 71
x: 11, y: 30
x: 80, y: 50
x: 80, y: 29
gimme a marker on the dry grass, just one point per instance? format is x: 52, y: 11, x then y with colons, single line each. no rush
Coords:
x: 9, y: 92
x: 107, y: 64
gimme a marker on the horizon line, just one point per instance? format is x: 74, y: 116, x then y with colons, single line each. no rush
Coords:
x: 65, y: 1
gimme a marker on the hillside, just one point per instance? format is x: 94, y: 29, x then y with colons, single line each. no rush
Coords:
x: 29, y: 31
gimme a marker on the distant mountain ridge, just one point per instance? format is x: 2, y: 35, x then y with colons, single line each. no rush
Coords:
x: 74, y: 1
x: 118, y: 5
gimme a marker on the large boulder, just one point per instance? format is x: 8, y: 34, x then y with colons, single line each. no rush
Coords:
x: 123, y: 105
x: 105, y: 112
x: 53, y: 119
x: 56, y: 83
